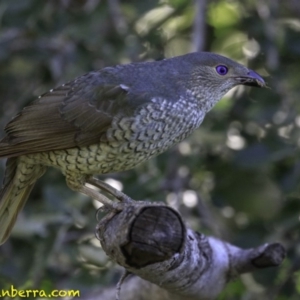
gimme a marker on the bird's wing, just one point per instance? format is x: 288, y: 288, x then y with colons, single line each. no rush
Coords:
x: 75, y: 114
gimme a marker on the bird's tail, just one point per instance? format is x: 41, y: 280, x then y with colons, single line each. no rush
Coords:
x: 13, y: 196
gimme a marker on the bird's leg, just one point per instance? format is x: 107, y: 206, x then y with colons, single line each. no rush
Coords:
x: 99, y: 197
x: 77, y: 182
x: 109, y: 189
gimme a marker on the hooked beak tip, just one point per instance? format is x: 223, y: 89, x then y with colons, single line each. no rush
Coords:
x: 251, y: 79
x: 256, y: 78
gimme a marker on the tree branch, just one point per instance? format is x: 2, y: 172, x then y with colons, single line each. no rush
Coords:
x: 151, y: 241
x: 199, y: 28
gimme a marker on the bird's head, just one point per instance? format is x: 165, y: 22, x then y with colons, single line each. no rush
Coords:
x: 212, y: 75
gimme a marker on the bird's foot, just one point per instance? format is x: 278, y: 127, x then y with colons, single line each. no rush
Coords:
x: 108, y: 203
x: 109, y: 189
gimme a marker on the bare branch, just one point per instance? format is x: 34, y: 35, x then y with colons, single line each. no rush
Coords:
x: 199, y: 30
x: 151, y: 241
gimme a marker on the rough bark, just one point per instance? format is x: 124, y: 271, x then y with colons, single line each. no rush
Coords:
x: 167, y: 260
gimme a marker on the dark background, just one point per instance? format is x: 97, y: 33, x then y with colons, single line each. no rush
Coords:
x: 237, y: 177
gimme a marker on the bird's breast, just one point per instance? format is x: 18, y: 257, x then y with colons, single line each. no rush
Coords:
x: 156, y: 126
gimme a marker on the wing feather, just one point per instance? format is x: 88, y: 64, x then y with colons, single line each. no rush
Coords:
x: 75, y: 114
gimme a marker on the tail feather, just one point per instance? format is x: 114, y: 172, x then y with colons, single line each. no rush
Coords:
x: 12, y: 201
x: 19, y: 179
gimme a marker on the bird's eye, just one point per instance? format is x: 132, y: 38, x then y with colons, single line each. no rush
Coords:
x: 222, y: 70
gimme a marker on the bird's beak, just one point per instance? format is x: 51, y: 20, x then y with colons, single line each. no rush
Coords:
x: 251, y: 79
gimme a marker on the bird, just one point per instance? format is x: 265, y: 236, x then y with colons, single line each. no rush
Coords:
x: 111, y: 120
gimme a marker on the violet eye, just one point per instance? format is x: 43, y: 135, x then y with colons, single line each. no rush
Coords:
x: 222, y: 70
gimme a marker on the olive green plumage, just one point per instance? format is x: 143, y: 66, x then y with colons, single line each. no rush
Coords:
x: 110, y: 121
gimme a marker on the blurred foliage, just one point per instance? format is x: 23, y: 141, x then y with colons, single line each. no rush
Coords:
x: 236, y: 177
